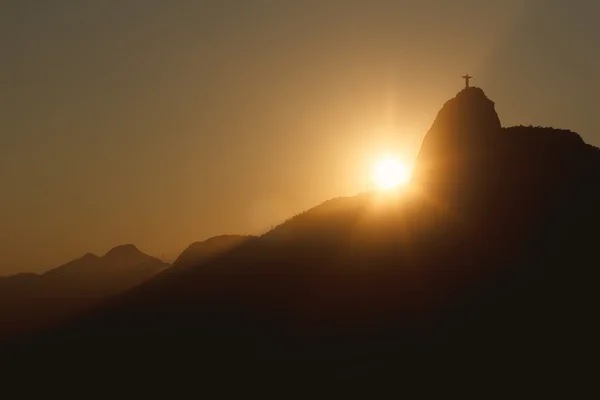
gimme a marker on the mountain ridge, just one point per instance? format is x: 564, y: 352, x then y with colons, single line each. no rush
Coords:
x: 485, y: 259
x: 31, y: 300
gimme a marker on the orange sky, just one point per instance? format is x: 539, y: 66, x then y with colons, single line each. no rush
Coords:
x: 163, y: 123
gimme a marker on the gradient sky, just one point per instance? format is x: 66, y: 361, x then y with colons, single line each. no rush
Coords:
x: 160, y: 123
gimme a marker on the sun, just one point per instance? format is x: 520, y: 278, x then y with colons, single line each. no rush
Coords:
x: 389, y: 173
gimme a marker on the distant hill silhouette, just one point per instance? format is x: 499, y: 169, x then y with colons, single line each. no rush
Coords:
x: 200, y: 252
x: 29, y: 300
x: 485, y: 267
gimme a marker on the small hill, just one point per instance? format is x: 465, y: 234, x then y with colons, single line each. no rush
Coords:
x: 200, y: 252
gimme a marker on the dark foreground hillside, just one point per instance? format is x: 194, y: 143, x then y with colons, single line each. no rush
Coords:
x: 486, y: 265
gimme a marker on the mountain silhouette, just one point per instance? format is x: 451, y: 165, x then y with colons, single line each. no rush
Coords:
x: 29, y: 300
x: 200, y: 252
x: 485, y: 265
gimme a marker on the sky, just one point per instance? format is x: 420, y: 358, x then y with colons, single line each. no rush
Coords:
x: 161, y: 123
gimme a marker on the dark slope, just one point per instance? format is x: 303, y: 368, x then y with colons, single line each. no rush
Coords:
x: 31, y: 300
x: 486, y: 266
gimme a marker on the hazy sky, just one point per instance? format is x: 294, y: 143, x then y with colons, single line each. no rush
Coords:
x: 160, y: 123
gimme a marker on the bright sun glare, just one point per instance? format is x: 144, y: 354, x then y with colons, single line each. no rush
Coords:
x: 390, y: 172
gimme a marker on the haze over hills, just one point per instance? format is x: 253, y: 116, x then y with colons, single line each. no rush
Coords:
x: 485, y: 258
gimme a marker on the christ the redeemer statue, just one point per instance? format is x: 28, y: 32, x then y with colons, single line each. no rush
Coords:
x: 466, y: 78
